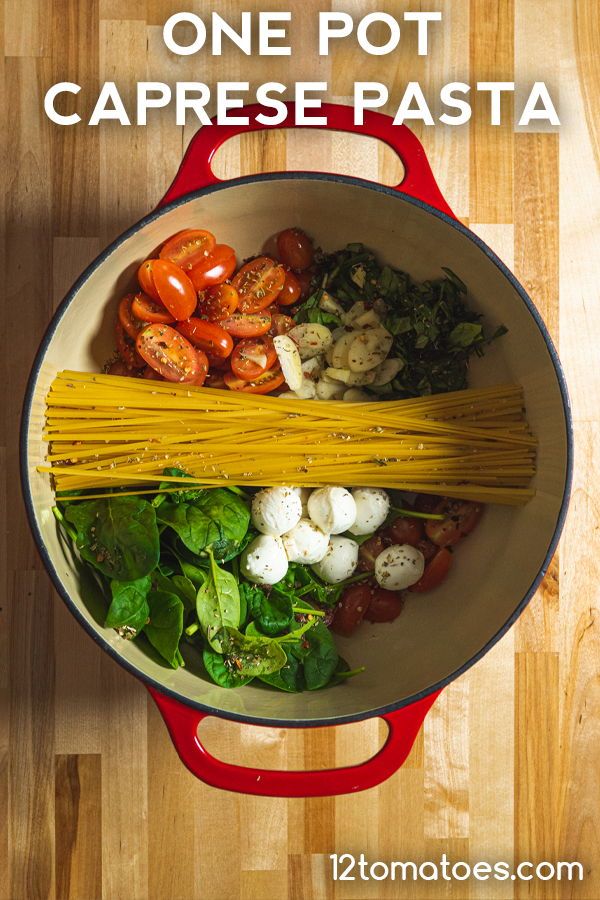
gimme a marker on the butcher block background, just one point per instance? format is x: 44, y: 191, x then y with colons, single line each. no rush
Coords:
x: 94, y: 802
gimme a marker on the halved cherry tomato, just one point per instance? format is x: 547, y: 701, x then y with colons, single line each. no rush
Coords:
x: 258, y: 283
x: 131, y: 322
x: 385, y: 606
x: 189, y: 247
x: 295, y: 249
x: 351, y: 609
x: 167, y: 351
x: 369, y: 551
x: 435, y: 572
x: 218, y: 266
x: 118, y: 367
x: 162, y: 280
x: 148, y: 310
x: 291, y: 290
x: 220, y: 364
x: 247, y: 324
x: 253, y: 356
x: 305, y: 281
x: 208, y: 336
x: 264, y: 384
x: 404, y: 530
x: 215, y: 380
x: 203, y: 365
x: 127, y: 349
x: 280, y: 324
x: 461, y: 518
x: 218, y: 302
x: 427, y: 548
x: 151, y: 375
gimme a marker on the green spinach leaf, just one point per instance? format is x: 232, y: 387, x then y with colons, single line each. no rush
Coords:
x: 251, y: 656
x: 165, y: 627
x: 318, y: 655
x: 117, y: 535
x: 217, y: 519
x: 129, y: 610
x: 218, y: 604
x: 271, y: 611
x: 289, y: 678
x: 222, y: 671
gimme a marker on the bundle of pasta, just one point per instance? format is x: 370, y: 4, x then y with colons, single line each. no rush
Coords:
x: 108, y: 431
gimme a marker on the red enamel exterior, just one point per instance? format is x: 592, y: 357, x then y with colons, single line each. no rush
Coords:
x: 404, y: 724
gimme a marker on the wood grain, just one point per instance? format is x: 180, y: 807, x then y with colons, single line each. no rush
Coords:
x: 94, y: 803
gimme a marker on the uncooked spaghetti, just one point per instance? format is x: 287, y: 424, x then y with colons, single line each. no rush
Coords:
x: 109, y: 431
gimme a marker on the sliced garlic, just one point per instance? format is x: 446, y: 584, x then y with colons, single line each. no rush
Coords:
x: 289, y: 360
x: 311, y: 339
x: 329, y: 304
x: 307, y: 390
x: 329, y: 390
x: 352, y: 379
x: 339, y: 353
x: 311, y: 368
x: 356, y: 310
x: 369, y: 319
x: 387, y: 371
x: 369, y: 349
x: 355, y: 395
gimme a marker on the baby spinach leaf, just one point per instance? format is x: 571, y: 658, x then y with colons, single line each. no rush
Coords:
x: 465, y: 334
x: 251, y: 656
x: 129, y: 608
x: 179, y: 585
x: 165, y: 627
x: 289, y: 678
x: 178, y: 496
x: 217, y: 518
x: 117, y: 535
x: 317, y: 652
x: 272, y: 611
x: 222, y: 671
x: 218, y: 603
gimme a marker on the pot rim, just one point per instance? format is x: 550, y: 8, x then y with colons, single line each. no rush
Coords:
x: 26, y: 414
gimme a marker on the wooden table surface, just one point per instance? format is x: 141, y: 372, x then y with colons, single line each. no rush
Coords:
x: 93, y: 799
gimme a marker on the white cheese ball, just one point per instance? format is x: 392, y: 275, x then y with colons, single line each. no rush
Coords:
x: 339, y: 561
x: 305, y: 543
x: 372, y: 508
x: 275, y: 510
x: 304, y: 494
x: 333, y: 509
x: 399, y: 566
x: 264, y: 561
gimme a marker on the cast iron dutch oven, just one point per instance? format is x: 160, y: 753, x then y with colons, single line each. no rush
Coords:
x: 437, y: 637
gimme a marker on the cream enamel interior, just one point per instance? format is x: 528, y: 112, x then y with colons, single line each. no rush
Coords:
x: 436, y: 634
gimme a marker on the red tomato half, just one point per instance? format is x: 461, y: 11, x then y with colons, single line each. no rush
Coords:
x: 385, y: 606
x: 128, y: 318
x: 168, y: 352
x: 295, y: 249
x: 258, y: 283
x: 189, y: 247
x: 264, y: 384
x: 208, y: 336
x: 148, y: 310
x: 305, y: 281
x: 252, y: 357
x: 280, y: 324
x: 404, y: 530
x: 218, y: 302
x: 290, y: 291
x: 461, y: 518
x: 247, y: 324
x: 435, y: 572
x: 351, y: 609
x: 162, y: 280
x: 151, y: 374
x: 369, y: 551
x: 218, y: 266
x: 127, y: 349
x: 118, y: 367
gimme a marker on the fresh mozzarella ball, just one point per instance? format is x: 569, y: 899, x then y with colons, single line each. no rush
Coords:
x: 332, y: 508
x: 264, y: 561
x: 304, y: 494
x: 339, y: 561
x: 399, y: 566
x: 372, y: 508
x: 275, y: 510
x: 305, y: 543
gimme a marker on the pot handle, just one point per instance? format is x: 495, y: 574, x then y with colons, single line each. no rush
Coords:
x: 183, y: 721
x: 195, y: 171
